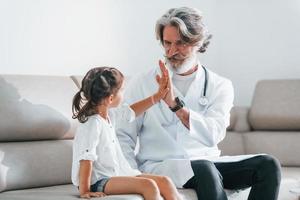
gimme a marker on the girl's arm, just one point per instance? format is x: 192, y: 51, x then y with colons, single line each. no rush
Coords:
x: 85, y: 173
x: 141, y: 106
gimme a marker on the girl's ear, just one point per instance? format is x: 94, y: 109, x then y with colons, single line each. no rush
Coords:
x: 110, y: 98
x: 107, y: 100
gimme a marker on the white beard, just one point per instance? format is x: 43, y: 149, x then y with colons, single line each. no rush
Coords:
x: 188, y: 64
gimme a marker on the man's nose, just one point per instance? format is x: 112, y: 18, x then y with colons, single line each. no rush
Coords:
x: 173, y: 50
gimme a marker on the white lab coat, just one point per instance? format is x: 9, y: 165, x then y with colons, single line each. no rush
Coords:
x: 166, y: 146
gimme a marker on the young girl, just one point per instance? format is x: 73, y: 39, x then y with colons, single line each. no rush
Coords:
x: 99, y: 166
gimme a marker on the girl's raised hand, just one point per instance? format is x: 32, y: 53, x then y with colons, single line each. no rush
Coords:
x: 163, y: 82
x: 169, y: 96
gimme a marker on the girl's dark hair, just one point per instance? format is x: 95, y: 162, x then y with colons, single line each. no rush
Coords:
x: 97, y: 84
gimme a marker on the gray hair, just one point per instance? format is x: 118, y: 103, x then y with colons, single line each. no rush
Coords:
x: 189, y: 24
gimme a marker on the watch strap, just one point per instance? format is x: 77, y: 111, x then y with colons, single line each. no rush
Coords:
x: 179, y: 105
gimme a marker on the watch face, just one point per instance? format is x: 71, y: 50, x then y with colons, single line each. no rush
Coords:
x: 182, y: 102
x: 179, y: 102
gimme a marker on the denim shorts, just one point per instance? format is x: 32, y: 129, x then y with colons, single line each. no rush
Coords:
x: 99, y: 185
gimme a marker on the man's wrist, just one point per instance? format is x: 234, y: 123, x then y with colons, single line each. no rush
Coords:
x: 180, y: 112
x: 178, y: 105
x: 172, y: 103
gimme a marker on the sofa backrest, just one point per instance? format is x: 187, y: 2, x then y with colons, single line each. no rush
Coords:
x: 276, y: 105
x: 36, y: 129
x: 36, y: 107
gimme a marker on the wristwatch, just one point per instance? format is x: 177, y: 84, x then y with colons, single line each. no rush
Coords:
x: 179, y: 104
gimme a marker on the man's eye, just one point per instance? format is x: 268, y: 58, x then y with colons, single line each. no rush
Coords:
x: 180, y: 43
x: 167, y: 43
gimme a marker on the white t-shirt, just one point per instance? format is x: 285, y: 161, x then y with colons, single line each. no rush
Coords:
x: 96, y: 140
x: 183, y: 83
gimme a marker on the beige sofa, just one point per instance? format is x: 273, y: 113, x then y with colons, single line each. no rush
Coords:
x: 36, y: 132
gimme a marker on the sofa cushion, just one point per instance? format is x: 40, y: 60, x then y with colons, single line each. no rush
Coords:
x: 35, y: 164
x: 233, y: 118
x: 290, y: 179
x: 282, y: 145
x: 36, y: 107
x: 69, y: 192
x: 276, y: 105
x: 239, y: 119
x: 77, y: 80
x: 232, y: 144
x: 61, y: 192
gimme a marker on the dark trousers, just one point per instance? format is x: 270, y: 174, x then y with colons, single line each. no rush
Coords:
x: 261, y: 173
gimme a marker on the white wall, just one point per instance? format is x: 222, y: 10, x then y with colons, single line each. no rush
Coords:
x: 252, y: 39
x: 71, y: 36
x: 257, y: 39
